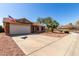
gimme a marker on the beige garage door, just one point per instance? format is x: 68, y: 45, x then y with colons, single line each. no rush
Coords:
x: 19, y: 29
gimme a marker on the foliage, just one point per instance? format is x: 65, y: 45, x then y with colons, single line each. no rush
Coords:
x: 49, y: 22
x: 1, y: 29
x: 39, y: 20
x: 77, y: 22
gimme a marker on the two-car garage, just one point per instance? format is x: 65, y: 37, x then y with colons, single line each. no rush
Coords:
x: 20, y: 28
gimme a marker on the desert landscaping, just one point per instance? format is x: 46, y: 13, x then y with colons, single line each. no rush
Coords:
x: 8, y: 47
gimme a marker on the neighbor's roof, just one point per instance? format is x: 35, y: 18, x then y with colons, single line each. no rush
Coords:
x: 67, y: 27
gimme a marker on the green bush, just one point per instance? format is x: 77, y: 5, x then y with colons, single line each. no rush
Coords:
x: 1, y: 29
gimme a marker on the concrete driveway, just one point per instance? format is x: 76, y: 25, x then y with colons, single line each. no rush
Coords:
x: 39, y: 45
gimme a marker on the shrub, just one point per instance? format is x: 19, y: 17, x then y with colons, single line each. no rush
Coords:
x: 61, y: 30
x: 66, y: 32
x: 1, y: 29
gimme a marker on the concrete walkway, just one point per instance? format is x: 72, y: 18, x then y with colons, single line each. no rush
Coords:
x: 39, y: 45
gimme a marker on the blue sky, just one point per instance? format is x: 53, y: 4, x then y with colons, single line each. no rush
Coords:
x: 64, y: 13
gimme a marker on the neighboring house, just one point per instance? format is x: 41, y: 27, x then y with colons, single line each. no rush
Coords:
x: 21, y: 26
x: 66, y: 27
x: 77, y: 27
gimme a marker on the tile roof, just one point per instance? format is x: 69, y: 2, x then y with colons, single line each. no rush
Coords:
x: 21, y: 20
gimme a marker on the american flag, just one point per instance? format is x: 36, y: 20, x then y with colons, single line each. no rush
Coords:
x: 11, y: 18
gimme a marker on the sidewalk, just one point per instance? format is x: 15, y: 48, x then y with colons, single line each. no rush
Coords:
x: 62, y: 47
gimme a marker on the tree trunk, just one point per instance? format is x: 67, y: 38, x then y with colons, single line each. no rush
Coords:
x: 52, y: 29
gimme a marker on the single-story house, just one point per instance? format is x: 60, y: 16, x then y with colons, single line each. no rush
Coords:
x: 67, y: 27
x: 21, y: 26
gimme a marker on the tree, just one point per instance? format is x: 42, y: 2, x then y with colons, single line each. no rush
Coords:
x: 77, y: 25
x: 40, y: 20
x: 77, y: 22
x: 49, y: 22
x: 54, y: 25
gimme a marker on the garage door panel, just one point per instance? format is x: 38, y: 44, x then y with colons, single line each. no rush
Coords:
x: 19, y: 29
